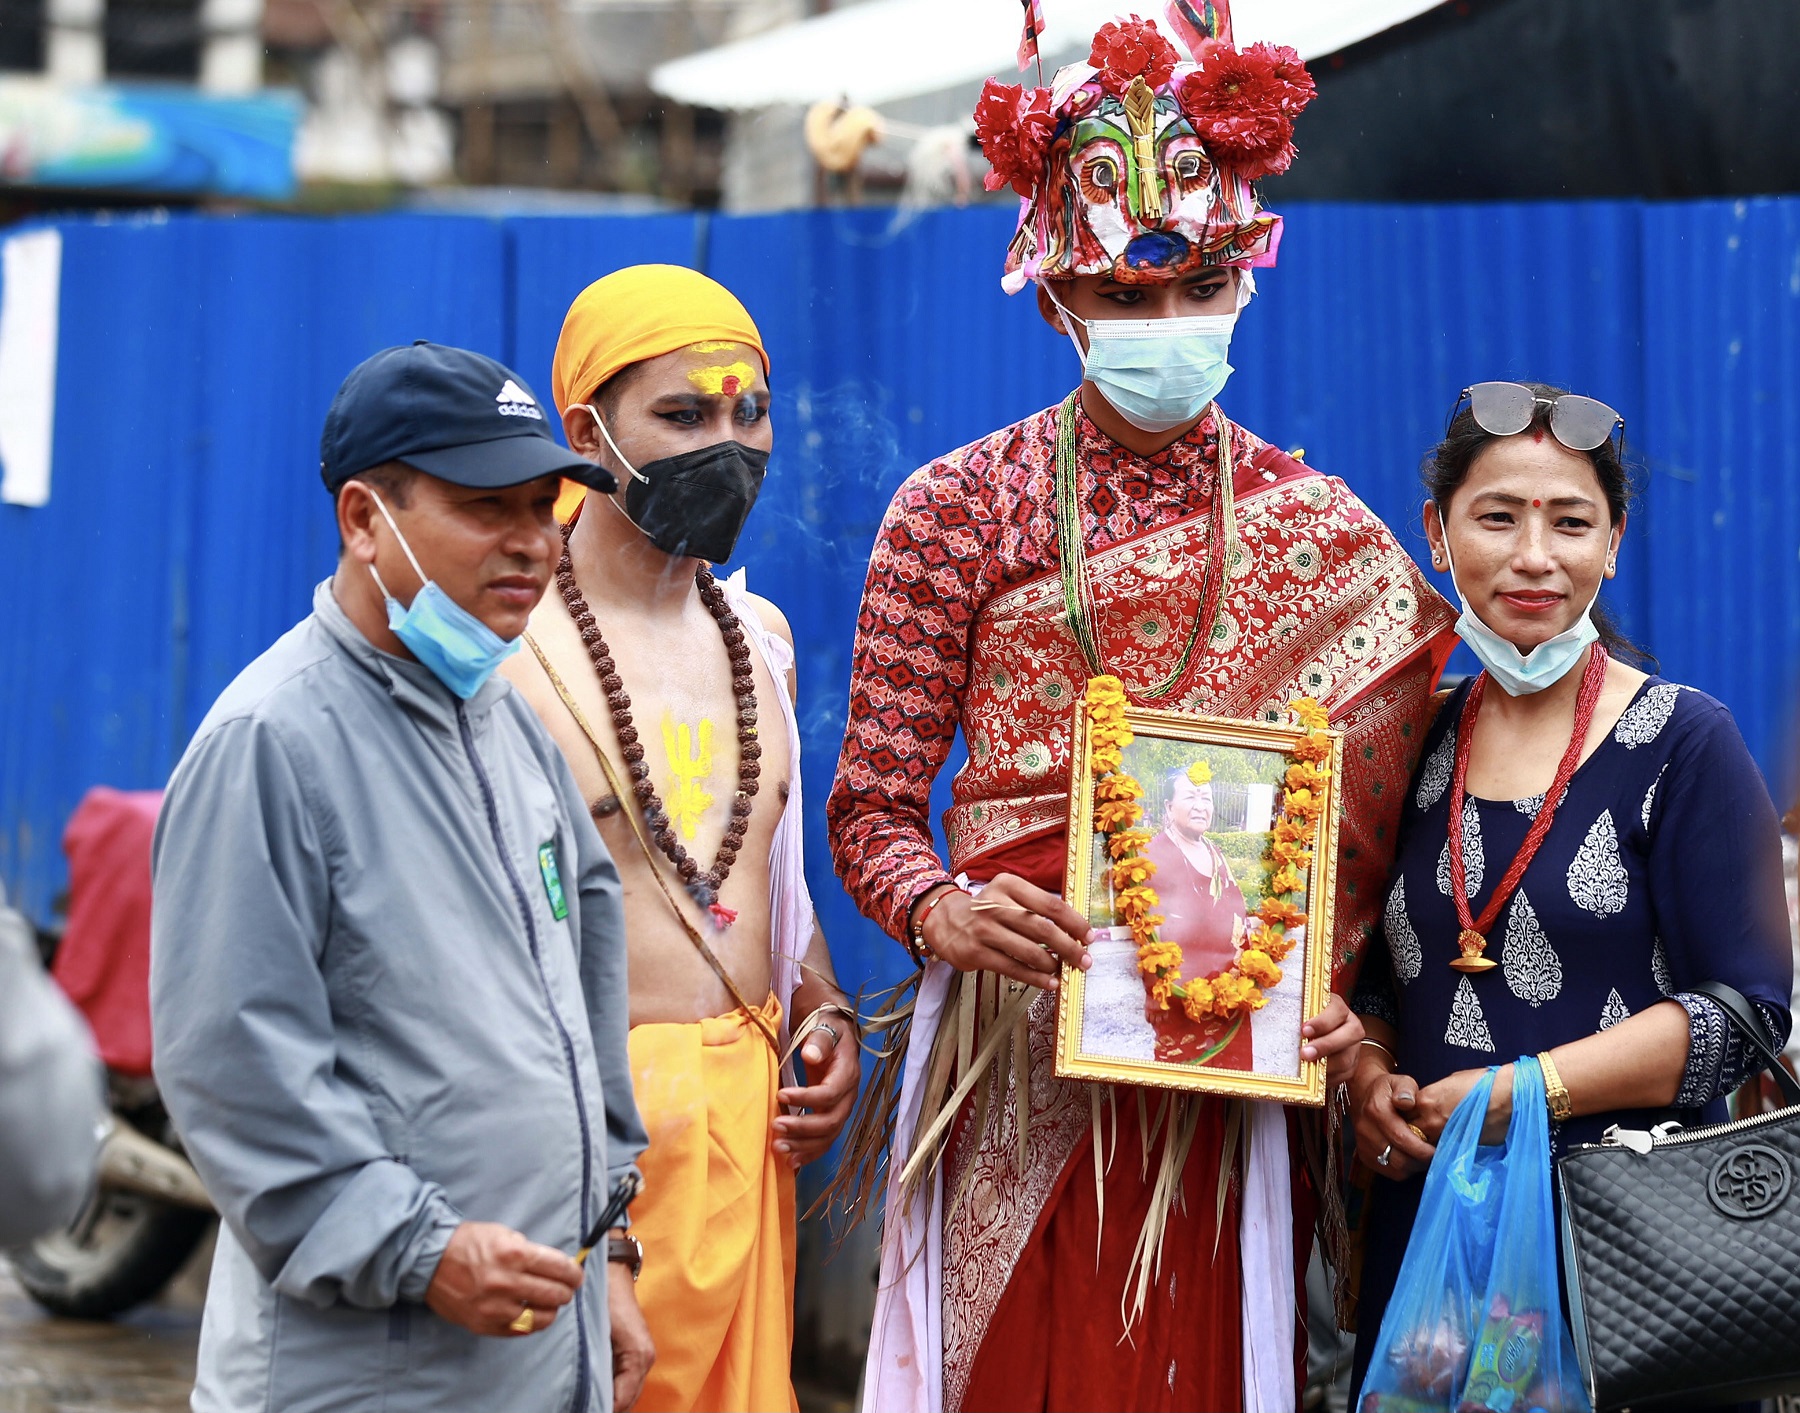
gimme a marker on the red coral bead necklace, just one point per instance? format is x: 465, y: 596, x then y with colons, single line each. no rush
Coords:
x: 1472, y: 941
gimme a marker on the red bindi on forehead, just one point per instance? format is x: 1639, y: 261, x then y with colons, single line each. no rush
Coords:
x: 1536, y: 503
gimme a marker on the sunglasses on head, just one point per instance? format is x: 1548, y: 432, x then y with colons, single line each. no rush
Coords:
x: 1504, y: 409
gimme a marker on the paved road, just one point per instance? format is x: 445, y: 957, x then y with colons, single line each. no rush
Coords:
x: 143, y: 1363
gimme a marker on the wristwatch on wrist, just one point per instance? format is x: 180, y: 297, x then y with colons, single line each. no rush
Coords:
x: 1556, y: 1093
x: 628, y: 1251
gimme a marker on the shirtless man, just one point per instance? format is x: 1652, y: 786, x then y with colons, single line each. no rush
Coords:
x: 661, y: 376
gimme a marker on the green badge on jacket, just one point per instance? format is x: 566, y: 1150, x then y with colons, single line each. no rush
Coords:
x: 553, y: 889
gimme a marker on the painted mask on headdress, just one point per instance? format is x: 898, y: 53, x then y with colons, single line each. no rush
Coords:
x: 1139, y: 165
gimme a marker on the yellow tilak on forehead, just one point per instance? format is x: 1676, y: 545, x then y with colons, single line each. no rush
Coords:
x: 724, y: 379
x: 1140, y: 112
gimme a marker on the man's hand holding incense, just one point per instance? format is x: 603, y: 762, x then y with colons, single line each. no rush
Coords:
x: 489, y: 1275
x: 1014, y: 928
x: 834, y: 1067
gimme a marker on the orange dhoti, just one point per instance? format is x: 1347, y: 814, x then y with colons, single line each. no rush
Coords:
x: 716, y: 1218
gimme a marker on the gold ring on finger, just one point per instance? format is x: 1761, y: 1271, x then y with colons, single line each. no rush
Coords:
x: 1420, y: 1132
x: 527, y: 1321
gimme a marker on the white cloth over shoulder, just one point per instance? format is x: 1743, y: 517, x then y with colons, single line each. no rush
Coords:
x: 791, y: 920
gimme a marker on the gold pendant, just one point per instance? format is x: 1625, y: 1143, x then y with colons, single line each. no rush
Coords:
x: 1473, y: 944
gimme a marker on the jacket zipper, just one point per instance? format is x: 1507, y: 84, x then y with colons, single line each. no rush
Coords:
x: 580, y: 1402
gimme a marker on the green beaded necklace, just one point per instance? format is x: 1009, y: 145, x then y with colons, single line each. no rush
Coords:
x: 1078, y: 594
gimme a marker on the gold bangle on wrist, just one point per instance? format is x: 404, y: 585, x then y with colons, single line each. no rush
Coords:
x: 1556, y: 1093
x: 1384, y: 1050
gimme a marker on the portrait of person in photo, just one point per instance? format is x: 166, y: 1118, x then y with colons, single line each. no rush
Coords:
x: 1195, y: 996
x: 1203, y: 914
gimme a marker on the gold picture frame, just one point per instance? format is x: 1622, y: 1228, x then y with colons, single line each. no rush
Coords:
x: 1109, y: 1032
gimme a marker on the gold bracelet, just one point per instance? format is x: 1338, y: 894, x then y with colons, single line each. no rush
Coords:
x: 1556, y: 1093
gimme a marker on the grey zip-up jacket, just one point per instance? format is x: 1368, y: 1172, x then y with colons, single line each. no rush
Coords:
x: 388, y: 991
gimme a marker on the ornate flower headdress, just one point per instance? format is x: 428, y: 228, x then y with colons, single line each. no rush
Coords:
x: 1138, y: 164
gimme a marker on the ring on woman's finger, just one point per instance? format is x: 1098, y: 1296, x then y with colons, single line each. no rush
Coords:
x: 1384, y: 1156
x: 526, y: 1321
x: 1420, y: 1132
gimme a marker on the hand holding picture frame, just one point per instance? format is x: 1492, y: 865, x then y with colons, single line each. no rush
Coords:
x: 1204, y: 852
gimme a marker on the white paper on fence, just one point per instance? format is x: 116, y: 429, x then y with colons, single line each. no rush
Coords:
x: 1266, y: 1256
x: 791, y: 920
x: 30, y: 299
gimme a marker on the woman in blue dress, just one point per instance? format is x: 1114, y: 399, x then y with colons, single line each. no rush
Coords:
x: 1660, y: 867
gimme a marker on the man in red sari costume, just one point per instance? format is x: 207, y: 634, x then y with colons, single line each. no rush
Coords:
x: 1133, y: 530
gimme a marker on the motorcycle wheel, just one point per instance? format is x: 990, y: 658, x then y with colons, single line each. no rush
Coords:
x: 121, y: 1249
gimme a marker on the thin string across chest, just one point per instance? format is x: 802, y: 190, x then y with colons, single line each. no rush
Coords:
x: 1472, y: 941
x: 703, y: 885
x: 1077, y: 581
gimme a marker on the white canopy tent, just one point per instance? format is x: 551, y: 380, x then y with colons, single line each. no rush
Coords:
x: 886, y: 50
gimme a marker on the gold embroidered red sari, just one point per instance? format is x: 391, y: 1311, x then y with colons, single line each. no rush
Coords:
x: 963, y: 626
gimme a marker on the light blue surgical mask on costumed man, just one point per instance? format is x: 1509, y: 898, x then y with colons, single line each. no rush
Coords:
x: 1548, y: 663
x: 461, y: 651
x: 1158, y: 374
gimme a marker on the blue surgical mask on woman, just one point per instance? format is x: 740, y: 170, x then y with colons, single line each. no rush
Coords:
x: 461, y: 651
x: 1522, y: 674
x: 1158, y: 374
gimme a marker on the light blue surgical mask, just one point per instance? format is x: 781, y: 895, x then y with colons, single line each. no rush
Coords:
x: 1522, y: 674
x: 461, y: 651
x: 1158, y: 374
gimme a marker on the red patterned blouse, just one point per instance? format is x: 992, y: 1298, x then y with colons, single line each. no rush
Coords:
x: 962, y: 624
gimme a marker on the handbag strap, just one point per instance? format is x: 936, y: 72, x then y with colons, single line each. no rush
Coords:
x: 1750, y: 1026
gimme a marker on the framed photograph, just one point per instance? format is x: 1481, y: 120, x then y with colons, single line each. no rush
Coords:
x: 1204, y: 851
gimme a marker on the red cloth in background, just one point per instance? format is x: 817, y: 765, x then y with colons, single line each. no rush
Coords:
x: 103, y: 963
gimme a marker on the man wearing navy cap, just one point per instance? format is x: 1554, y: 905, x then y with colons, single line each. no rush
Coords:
x: 388, y: 961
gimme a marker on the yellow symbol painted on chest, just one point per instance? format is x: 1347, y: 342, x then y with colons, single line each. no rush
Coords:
x: 688, y: 800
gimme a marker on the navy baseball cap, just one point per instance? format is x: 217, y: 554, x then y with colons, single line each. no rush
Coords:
x: 450, y: 413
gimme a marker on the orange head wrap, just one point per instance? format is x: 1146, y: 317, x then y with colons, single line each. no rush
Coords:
x: 642, y: 312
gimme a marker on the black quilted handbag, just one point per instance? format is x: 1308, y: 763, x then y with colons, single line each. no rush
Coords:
x: 1681, y: 1252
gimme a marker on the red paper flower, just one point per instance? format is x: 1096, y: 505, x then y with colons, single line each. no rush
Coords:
x: 1286, y: 68
x: 1242, y: 105
x: 1014, y: 124
x: 1125, y: 49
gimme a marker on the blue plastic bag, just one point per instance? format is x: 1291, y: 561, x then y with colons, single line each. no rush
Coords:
x: 1475, y: 1324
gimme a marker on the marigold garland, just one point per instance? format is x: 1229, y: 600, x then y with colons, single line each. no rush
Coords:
x: 1241, y: 987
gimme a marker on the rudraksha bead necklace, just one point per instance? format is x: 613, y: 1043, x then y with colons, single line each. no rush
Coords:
x: 702, y: 886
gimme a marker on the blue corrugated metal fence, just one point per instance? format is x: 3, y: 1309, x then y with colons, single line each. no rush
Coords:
x: 187, y: 524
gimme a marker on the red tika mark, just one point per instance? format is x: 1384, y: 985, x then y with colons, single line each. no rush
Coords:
x: 722, y: 916
x: 731, y: 386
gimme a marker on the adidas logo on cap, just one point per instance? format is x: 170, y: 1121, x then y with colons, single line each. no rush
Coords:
x: 516, y: 402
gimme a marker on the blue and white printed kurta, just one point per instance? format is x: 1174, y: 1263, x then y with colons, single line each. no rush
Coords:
x: 1662, y: 869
